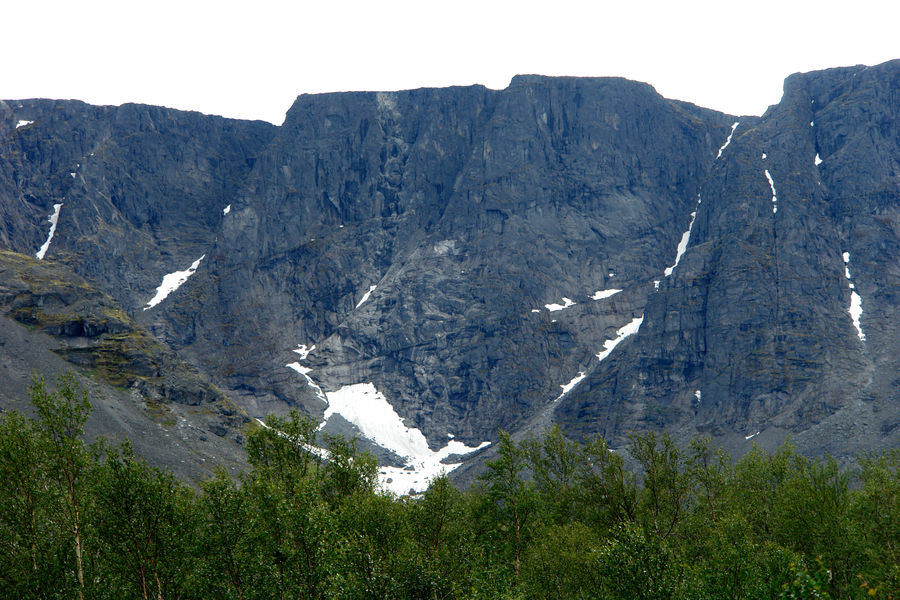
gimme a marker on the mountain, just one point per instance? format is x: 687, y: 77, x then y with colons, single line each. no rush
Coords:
x: 424, y: 267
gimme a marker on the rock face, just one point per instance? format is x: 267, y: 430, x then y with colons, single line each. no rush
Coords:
x: 757, y: 316
x: 493, y: 259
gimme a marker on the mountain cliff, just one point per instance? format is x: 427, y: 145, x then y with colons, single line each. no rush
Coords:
x: 427, y: 266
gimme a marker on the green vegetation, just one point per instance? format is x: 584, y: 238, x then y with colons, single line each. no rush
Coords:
x: 95, y: 334
x: 550, y: 518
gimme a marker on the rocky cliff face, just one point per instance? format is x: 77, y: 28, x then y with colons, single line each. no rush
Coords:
x: 577, y: 250
x: 758, y: 331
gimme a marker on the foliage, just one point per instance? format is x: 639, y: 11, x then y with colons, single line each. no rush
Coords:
x: 549, y: 518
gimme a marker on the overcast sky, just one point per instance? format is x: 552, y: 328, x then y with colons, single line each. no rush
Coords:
x: 250, y: 59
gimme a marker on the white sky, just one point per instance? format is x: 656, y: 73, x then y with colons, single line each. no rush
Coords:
x: 251, y: 59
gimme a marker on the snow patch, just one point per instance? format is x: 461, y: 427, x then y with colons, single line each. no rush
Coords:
x: 366, y: 295
x: 751, y: 436
x: 369, y: 410
x: 656, y: 284
x: 172, y: 282
x: 855, y: 309
x: 226, y: 210
x: 23, y: 123
x: 601, y: 294
x: 622, y: 333
x: 818, y: 160
x: 73, y: 175
x: 764, y: 156
x: 555, y: 307
x: 698, y: 395
x: 728, y: 141
x: 685, y: 238
x: 54, y: 219
x: 535, y: 310
x: 303, y: 351
x: 774, y: 195
x: 567, y: 387
x: 855, y: 314
x: 305, y: 371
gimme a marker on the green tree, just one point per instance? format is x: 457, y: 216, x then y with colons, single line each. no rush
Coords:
x: 876, y: 514
x: 224, y: 541
x: 285, y: 449
x: 28, y: 568
x: 445, y: 541
x: 145, y: 519
x: 291, y: 522
x: 815, y: 518
x: 710, y: 472
x: 636, y: 566
x: 376, y: 554
x: 609, y: 491
x: 666, y: 487
x: 293, y: 490
x: 347, y: 471
x: 62, y: 415
x: 510, y: 499
x: 759, y: 481
x: 728, y: 563
x: 805, y: 584
x: 555, y: 464
x: 561, y: 562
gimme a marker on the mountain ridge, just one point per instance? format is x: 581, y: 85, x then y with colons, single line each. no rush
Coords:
x: 422, y: 241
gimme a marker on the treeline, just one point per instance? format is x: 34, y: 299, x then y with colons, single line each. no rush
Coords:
x: 550, y: 518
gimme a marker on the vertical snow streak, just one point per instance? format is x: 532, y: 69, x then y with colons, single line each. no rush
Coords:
x: 685, y: 238
x: 54, y: 219
x: 728, y: 141
x: 774, y: 195
x: 855, y: 309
